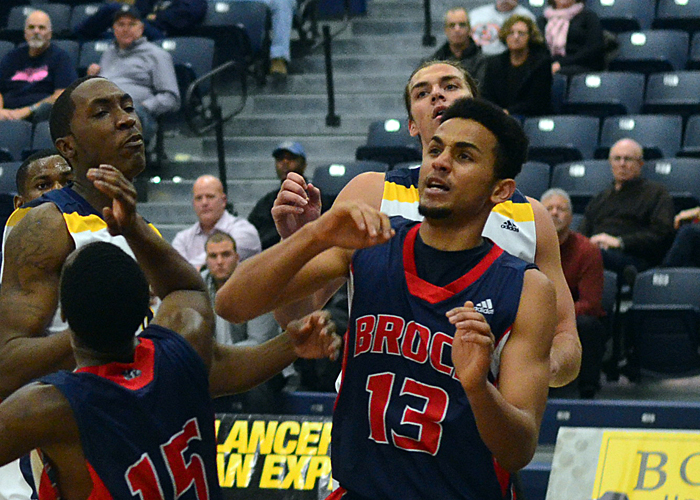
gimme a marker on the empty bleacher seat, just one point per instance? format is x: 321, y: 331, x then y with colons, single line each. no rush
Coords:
x: 681, y: 176
x: 674, y: 93
x: 651, y: 51
x: 8, y: 189
x: 664, y: 320
x: 582, y: 180
x: 239, y: 29
x: 659, y: 135
x: 623, y: 15
x: 691, y: 138
x: 5, y: 47
x: 71, y: 47
x: 15, y: 137
x: 80, y: 13
x: 677, y: 14
x: 389, y: 141
x: 41, y: 139
x: 605, y: 94
x: 694, y: 52
x: 331, y: 179
x: 560, y: 138
x: 533, y: 179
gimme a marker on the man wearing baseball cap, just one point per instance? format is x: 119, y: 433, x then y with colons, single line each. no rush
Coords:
x: 140, y: 68
x: 289, y: 157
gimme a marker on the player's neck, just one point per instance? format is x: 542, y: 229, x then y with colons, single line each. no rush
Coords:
x: 447, y: 235
x: 89, y: 192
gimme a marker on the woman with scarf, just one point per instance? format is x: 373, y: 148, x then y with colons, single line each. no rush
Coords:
x: 574, y: 37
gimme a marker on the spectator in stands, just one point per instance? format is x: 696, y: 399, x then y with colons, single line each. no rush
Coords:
x: 520, y: 79
x: 209, y: 202
x: 141, y: 69
x: 582, y: 263
x: 289, y: 157
x: 161, y: 18
x: 43, y: 171
x: 459, y: 45
x: 632, y: 220
x: 487, y: 20
x: 574, y: 36
x: 685, y: 250
x: 221, y: 261
x: 33, y: 75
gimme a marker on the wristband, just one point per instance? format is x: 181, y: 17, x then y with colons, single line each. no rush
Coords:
x: 33, y: 108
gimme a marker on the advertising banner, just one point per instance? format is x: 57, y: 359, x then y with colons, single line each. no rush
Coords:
x: 274, y: 457
x: 625, y: 464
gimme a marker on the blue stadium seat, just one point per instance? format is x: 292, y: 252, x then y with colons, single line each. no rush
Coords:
x: 694, y: 52
x: 664, y: 321
x: 5, y: 47
x: 8, y: 189
x: 605, y: 94
x: 41, y: 139
x: 676, y: 14
x: 691, y: 138
x: 15, y: 137
x: 331, y: 179
x: 536, y: 7
x: 59, y: 14
x: 91, y: 52
x: 533, y: 179
x: 240, y: 31
x: 681, y: 176
x: 389, y: 141
x: 561, y: 138
x: 80, y: 13
x: 651, y: 51
x: 71, y: 47
x: 673, y: 93
x: 623, y: 15
x: 659, y: 135
x: 582, y: 180
x: 560, y: 83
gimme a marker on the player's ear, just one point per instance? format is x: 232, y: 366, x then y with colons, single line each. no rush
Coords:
x: 412, y: 128
x: 66, y: 146
x: 17, y: 201
x: 502, y: 190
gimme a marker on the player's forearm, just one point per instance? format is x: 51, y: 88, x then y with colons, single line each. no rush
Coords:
x: 564, y: 357
x: 166, y: 270
x: 509, y: 433
x: 237, y: 369
x: 258, y: 284
x: 307, y: 305
x: 24, y: 359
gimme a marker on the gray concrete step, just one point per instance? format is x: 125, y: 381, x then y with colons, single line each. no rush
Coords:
x: 343, y: 83
x: 374, y: 104
x: 368, y: 64
x: 240, y: 192
x: 247, y: 147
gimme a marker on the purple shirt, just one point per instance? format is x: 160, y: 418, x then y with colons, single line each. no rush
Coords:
x: 190, y: 242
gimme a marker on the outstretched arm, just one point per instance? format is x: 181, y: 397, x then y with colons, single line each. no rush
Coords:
x: 565, y: 357
x: 318, y: 253
x: 508, y: 417
x: 34, y: 254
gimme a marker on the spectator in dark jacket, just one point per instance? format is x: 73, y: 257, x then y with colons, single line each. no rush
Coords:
x: 459, y: 45
x: 574, y: 36
x: 520, y: 79
x: 161, y: 18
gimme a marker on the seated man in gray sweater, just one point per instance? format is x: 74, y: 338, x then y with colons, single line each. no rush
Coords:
x: 140, y: 68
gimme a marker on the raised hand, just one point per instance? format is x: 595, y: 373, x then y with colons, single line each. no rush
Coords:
x: 314, y: 336
x: 297, y: 203
x: 472, y: 346
x: 355, y: 225
x: 121, y: 215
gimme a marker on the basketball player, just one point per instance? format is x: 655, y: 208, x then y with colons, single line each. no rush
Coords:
x: 447, y: 354
x: 43, y: 171
x: 135, y: 417
x: 521, y: 225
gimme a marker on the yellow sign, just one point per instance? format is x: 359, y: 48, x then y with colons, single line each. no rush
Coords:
x: 648, y: 465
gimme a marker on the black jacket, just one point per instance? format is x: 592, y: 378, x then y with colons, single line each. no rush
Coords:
x: 533, y: 96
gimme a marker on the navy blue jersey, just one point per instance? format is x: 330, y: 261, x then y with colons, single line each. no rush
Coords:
x: 147, y: 427
x: 403, y: 427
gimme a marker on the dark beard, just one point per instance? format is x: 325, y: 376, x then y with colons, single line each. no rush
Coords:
x: 434, y: 213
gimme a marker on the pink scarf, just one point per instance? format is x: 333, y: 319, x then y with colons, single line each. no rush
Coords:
x: 558, y: 27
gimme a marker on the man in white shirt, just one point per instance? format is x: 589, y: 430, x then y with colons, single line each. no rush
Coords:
x: 486, y: 22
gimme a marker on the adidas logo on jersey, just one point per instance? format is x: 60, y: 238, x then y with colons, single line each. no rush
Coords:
x: 484, y: 307
x: 510, y: 226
